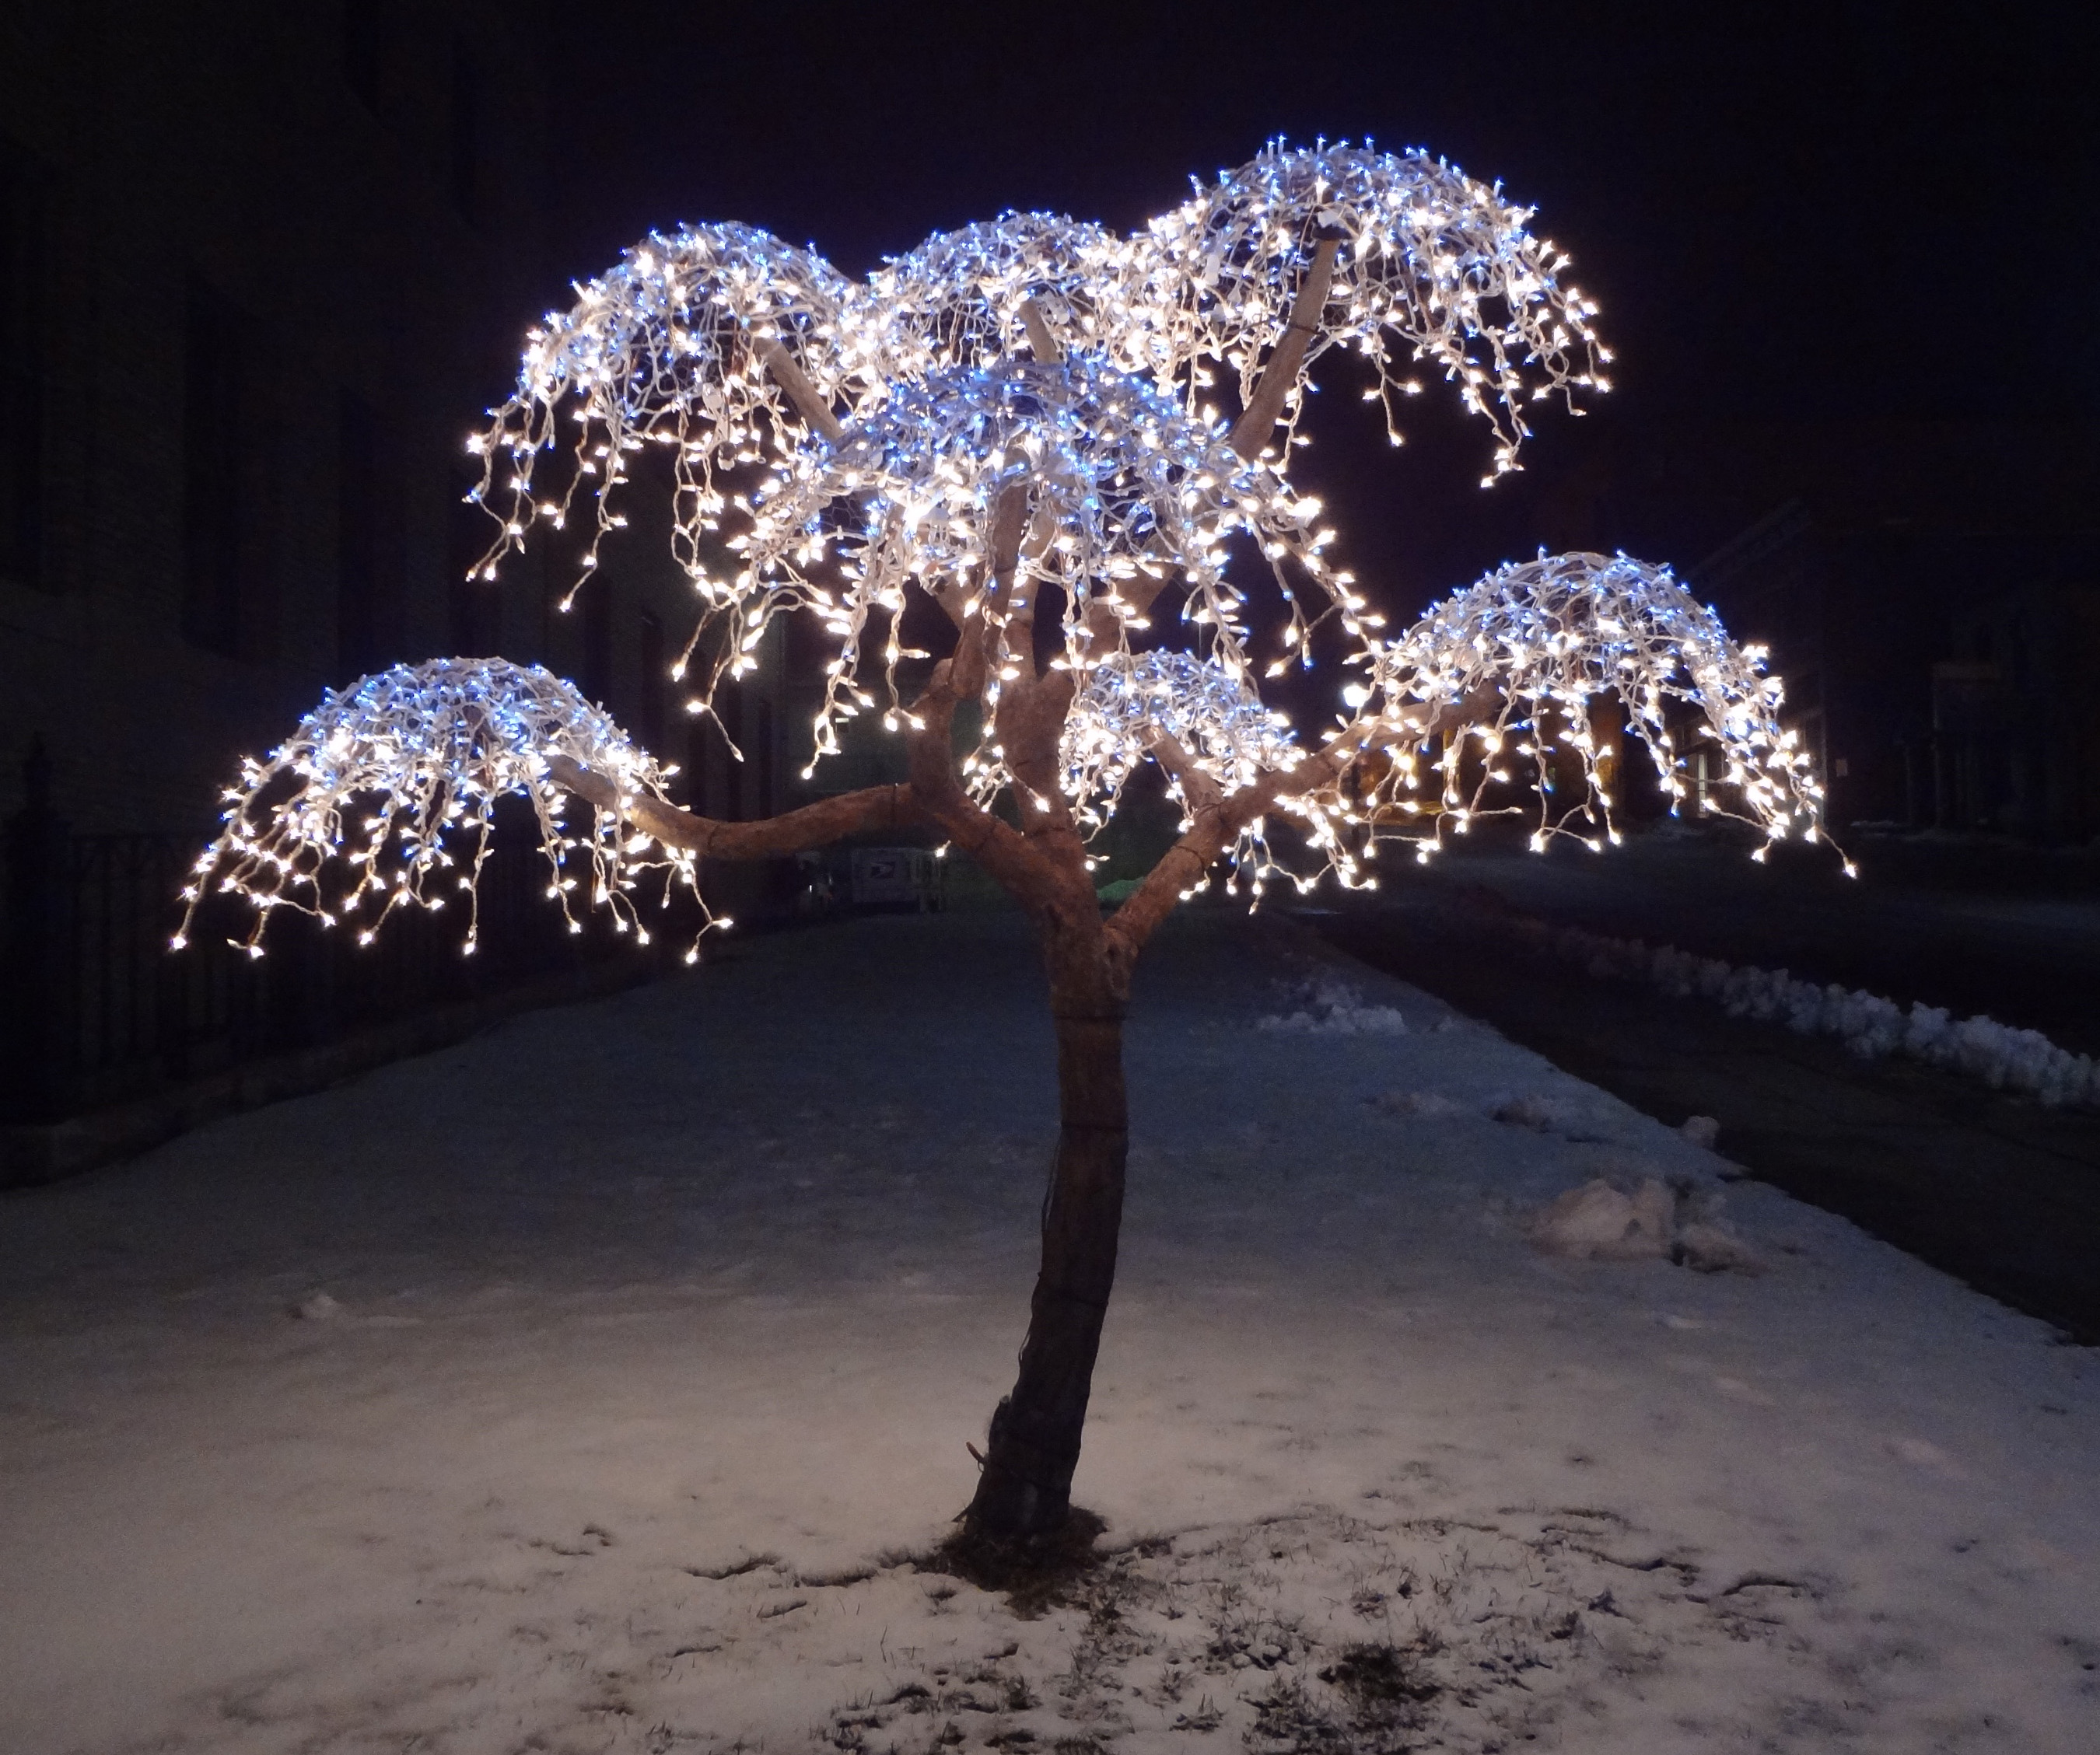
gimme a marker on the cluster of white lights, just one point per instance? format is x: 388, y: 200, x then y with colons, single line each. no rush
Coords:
x: 1130, y: 703
x: 1429, y: 262
x: 1554, y: 640
x: 833, y: 446
x: 1124, y: 490
x: 429, y: 748
x: 755, y: 365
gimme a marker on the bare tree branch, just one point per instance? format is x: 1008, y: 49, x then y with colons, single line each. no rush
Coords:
x: 1217, y: 822
x: 1198, y: 790
x: 1040, y: 340
x: 1009, y: 522
x: 791, y: 378
x: 1024, y: 871
x: 794, y: 832
x: 1251, y: 431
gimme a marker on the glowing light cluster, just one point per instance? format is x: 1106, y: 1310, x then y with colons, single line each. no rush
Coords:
x: 832, y: 447
x: 1429, y: 258
x: 664, y: 350
x: 1216, y: 719
x: 1124, y: 490
x: 692, y: 344
x: 426, y: 751
x: 1553, y: 639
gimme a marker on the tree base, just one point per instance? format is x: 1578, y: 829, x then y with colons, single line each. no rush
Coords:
x: 1034, y: 1573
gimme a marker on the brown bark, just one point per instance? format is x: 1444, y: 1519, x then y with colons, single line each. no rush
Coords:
x: 1025, y: 1488
x: 795, y: 831
x: 1041, y: 342
x: 791, y: 378
x: 1251, y: 431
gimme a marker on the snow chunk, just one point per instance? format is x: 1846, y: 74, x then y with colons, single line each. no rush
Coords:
x: 1597, y: 1223
x: 1543, y: 1113
x: 1430, y: 1104
x: 1709, y: 1248
x: 2005, y: 1058
x: 1332, y: 1008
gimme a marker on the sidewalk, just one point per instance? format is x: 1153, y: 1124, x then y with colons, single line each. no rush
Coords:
x: 589, y: 1385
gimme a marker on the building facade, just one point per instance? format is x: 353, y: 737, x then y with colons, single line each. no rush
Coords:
x: 262, y: 269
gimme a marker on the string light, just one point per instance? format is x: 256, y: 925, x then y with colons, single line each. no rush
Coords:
x: 432, y: 747
x: 834, y: 446
x: 1554, y: 639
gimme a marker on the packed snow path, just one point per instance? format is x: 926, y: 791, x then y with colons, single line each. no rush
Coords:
x: 588, y: 1386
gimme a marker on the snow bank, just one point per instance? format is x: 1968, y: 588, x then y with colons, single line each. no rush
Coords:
x: 2004, y: 1057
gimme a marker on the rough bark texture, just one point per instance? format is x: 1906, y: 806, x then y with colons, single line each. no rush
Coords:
x: 1026, y: 1487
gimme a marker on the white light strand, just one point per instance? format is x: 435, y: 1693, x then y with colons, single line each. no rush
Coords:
x: 834, y: 445
x: 1126, y: 491
x: 1429, y: 260
x: 671, y: 347
x: 1552, y: 638
x: 398, y: 776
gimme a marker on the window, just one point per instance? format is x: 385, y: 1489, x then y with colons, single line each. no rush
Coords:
x: 729, y: 709
x: 21, y: 368
x: 699, y: 752
x: 596, y: 601
x: 649, y: 701
x: 762, y: 736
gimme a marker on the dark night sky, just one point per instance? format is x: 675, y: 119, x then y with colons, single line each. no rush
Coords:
x: 1852, y: 210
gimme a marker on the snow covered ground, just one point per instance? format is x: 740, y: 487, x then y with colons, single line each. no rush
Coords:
x: 592, y: 1385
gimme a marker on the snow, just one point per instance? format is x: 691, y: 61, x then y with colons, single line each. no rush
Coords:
x: 591, y: 1386
x: 2003, y: 1055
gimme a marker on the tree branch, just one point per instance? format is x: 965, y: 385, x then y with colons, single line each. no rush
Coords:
x: 1021, y: 870
x: 1198, y: 790
x: 973, y: 649
x: 1217, y: 822
x: 1251, y: 431
x: 1041, y: 342
x: 794, y: 832
x: 792, y: 379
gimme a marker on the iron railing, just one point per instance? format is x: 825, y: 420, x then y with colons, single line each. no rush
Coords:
x: 96, y: 1009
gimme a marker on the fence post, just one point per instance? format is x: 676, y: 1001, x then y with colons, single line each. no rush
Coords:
x: 36, y: 1010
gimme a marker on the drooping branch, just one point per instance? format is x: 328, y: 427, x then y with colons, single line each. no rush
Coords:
x: 1280, y: 375
x: 794, y: 832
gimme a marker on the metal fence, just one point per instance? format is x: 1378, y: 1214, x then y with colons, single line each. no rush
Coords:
x: 96, y: 1009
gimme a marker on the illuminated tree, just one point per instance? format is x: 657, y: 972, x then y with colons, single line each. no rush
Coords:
x: 1015, y: 423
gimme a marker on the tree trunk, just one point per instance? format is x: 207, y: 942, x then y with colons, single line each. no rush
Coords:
x: 1027, y: 1486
